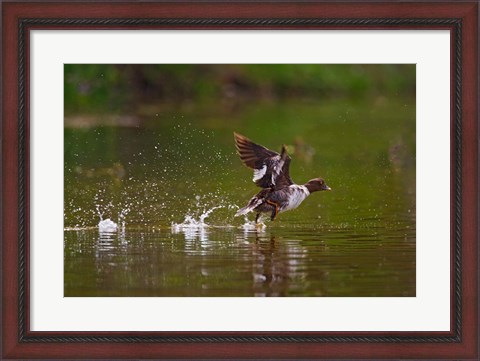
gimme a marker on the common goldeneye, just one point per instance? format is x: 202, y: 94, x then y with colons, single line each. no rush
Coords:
x: 271, y: 172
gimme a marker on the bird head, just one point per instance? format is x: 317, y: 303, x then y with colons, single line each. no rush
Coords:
x: 317, y: 184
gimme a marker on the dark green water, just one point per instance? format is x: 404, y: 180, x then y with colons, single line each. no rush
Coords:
x: 150, y: 172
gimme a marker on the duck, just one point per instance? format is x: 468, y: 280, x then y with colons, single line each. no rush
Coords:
x: 271, y: 172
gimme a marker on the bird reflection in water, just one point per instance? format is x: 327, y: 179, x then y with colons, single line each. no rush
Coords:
x: 275, y: 271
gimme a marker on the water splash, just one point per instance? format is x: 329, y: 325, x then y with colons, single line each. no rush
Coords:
x: 207, y: 213
x: 107, y: 226
x: 121, y: 217
x: 252, y: 226
x: 193, y: 228
x: 191, y: 223
x: 100, y: 214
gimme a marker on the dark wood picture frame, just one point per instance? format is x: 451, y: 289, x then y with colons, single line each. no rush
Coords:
x: 460, y: 18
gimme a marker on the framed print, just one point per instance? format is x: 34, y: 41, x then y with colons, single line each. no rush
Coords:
x: 131, y: 133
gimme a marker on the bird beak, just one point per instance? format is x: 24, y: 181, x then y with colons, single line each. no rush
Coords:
x: 326, y: 188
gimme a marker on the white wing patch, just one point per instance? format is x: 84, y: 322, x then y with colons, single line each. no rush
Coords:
x: 259, y: 173
x: 277, y: 169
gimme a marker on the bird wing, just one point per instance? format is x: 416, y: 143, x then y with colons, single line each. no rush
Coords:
x: 270, y: 169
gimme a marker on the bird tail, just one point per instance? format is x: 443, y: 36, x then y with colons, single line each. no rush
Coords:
x: 254, y: 203
x: 243, y: 211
